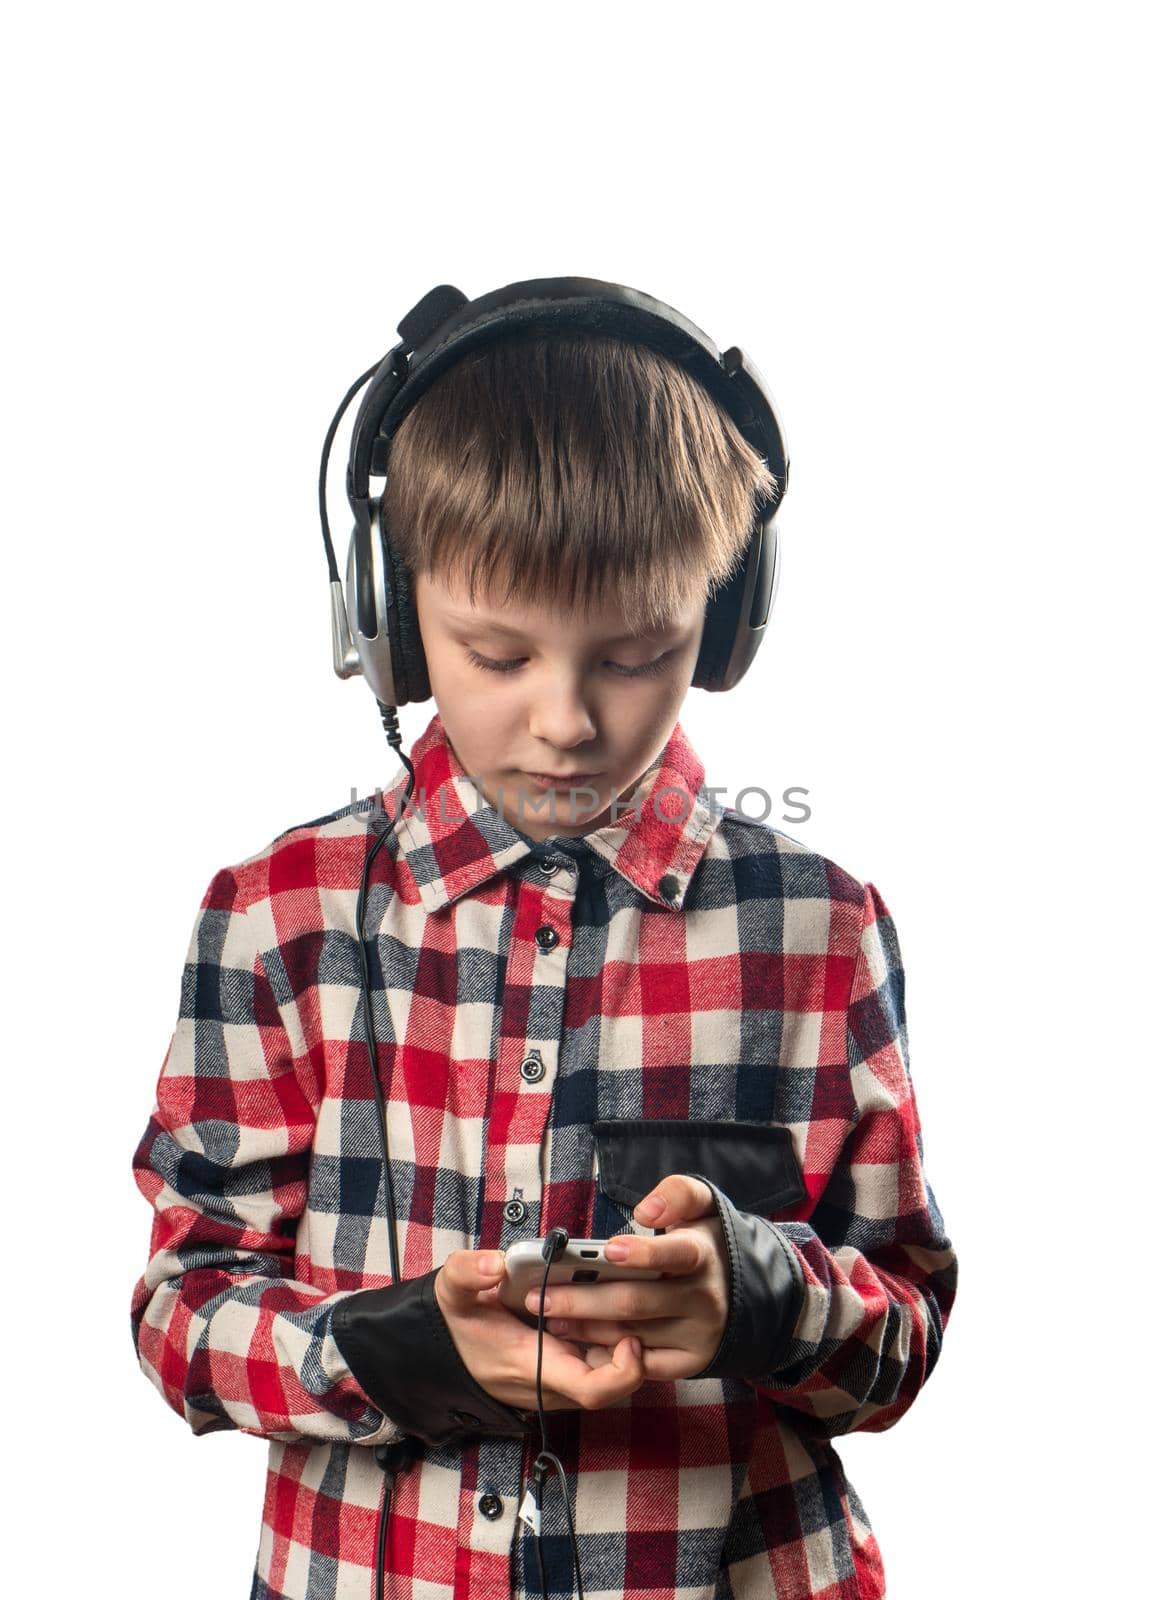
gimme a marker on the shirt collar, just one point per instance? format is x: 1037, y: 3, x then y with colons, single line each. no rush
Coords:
x: 453, y: 839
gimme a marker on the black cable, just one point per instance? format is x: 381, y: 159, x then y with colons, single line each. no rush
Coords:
x: 393, y: 735
x: 392, y: 1459
x: 401, y: 1453
x: 555, y: 1242
x: 334, y: 574
x: 539, y: 1479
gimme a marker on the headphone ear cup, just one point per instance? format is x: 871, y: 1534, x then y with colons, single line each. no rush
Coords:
x: 382, y: 616
x: 723, y: 624
x: 410, y: 668
x: 736, y: 615
x: 707, y: 671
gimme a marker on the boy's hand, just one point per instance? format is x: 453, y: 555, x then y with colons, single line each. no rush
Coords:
x: 680, y: 1319
x: 500, y: 1350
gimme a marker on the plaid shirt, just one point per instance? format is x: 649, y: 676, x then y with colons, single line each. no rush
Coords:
x: 707, y: 969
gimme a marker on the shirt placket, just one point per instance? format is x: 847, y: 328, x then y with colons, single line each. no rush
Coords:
x: 529, y: 1048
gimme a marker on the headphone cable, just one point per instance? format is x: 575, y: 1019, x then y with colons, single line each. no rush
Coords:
x: 395, y: 1457
x: 334, y: 574
x: 393, y: 735
x: 555, y: 1242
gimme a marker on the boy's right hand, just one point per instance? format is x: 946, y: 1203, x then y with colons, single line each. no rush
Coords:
x: 500, y: 1350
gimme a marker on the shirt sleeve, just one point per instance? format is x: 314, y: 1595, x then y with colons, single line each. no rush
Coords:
x: 879, y: 1272
x: 221, y: 1326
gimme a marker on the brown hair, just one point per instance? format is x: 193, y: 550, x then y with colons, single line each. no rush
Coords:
x: 565, y: 465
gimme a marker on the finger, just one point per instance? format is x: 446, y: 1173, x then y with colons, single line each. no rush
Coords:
x: 599, y: 1355
x: 674, y: 1253
x: 616, y: 1378
x: 592, y: 1386
x: 464, y: 1274
x: 678, y: 1198
x: 568, y: 1345
x: 664, y: 1365
x: 601, y: 1331
x: 626, y: 1301
x: 661, y: 1364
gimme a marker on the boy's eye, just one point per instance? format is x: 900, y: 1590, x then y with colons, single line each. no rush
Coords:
x: 490, y: 666
x: 647, y: 668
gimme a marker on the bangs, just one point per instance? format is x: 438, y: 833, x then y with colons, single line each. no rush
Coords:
x: 570, y: 471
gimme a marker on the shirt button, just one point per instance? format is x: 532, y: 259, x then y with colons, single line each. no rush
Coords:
x: 466, y: 1419
x: 546, y: 937
x: 668, y: 887
x: 550, y: 866
x: 515, y: 1211
x: 532, y: 1069
x: 489, y: 1505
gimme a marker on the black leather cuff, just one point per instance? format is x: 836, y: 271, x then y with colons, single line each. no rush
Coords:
x: 399, y: 1349
x: 766, y: 1290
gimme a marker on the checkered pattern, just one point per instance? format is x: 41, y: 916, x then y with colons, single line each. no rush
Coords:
x: 706, y: 967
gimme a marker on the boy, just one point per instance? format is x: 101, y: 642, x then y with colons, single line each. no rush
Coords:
x: 609, y: 1006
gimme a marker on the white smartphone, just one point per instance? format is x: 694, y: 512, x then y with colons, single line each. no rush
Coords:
x: 581, y: 1261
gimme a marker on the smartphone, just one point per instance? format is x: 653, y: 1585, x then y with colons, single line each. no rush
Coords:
x: 581, y: 1261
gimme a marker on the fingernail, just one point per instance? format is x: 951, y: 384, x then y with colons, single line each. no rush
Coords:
x: 617, y: 1251
x: 635, y: 1346
x: 490, y: 1265
x: 652, y: 1206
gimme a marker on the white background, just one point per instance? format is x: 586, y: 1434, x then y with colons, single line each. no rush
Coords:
x: 926, y: 225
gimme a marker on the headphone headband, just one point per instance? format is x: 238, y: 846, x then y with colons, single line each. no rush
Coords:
x: 444, y: 326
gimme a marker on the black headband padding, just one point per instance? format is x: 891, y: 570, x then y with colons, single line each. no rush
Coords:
x: 447, y: 326
x: 588, y: 316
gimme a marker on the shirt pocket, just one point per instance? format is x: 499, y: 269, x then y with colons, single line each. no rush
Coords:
x: 753, y: 1163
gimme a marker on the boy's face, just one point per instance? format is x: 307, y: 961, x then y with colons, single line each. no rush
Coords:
x: 563, y: 697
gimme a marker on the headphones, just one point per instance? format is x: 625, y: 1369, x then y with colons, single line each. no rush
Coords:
x: 377, y: 633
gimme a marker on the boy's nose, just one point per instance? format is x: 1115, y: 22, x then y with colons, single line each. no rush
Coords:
x: 564, y: 724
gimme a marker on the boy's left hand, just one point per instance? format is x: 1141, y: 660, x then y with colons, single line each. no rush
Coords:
x: 678, y: 1319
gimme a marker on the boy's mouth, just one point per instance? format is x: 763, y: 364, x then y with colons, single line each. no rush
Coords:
x: 550, y: 780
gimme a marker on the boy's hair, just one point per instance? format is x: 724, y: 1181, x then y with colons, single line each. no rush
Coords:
x: 563, y: 467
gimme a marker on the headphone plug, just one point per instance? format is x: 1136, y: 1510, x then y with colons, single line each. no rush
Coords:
x: 555, y: 1242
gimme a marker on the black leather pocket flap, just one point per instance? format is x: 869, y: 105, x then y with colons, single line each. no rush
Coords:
x: 752, y: 1162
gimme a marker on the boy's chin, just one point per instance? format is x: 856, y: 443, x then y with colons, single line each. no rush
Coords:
x: 564, y: 818
x: 539, y: 828
x: 540, y: 813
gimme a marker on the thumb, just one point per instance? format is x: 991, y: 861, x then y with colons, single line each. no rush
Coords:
x: 466, y: 1273
x: 682, y: 1197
